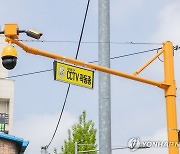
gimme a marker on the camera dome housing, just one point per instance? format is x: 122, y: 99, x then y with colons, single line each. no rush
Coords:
x: 9, y: 57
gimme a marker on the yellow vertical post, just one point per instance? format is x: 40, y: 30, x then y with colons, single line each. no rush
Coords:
x: 170, y: 95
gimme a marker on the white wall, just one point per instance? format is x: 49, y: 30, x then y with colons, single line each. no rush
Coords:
x: 6, y: 91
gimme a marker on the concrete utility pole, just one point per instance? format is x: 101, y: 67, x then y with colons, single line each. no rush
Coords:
x: 104, y: 78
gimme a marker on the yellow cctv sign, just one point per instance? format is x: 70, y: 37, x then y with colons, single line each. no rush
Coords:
x: 73, y: 74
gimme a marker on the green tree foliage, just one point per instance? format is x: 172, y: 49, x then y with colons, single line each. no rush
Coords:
x: 84, y: 134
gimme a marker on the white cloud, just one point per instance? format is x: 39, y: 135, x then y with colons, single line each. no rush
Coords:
x: 38, y: 129
x: 160, y: 135
x: 169, y: 23
x: 121, y: 9
x: 168, y: 29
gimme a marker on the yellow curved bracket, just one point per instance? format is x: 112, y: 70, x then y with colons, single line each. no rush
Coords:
x: 149, y: 62
x: 88, y: 65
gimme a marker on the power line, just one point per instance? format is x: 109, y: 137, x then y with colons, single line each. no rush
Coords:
x: 67, y: 92
x: 130, y: 54
x: 92, y: 42
x: 116, y: 148
x: 26, y: 74
x: 95, y: 61
x: 82, y: 30
x: 160, y: 58
x: 175, y: 48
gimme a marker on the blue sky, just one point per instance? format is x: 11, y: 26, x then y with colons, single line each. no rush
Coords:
x: 137, y: 109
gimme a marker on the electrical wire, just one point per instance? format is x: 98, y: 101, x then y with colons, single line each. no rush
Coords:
x: 174, y: 48
x: 82, y: 30
x: 25, y: 74
x: 160, y: 58
x: 116, y: 148
x: 130, y: 54
x: 67, y: 92
x: 91, y: 42
x: 95, y: 61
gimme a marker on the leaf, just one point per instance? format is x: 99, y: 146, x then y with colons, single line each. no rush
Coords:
x: 83, y: 133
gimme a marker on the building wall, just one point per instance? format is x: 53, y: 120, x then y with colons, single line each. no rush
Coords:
x: 8, y: 147
x: 6, y: 92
